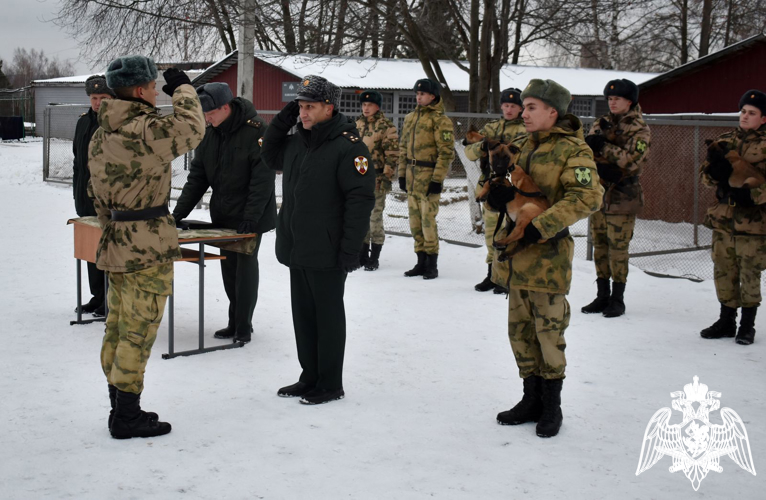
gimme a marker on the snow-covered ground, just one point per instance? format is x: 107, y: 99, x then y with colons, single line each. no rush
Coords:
x: 428, y: 366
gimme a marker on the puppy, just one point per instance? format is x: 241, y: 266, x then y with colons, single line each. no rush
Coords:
x: 743, y: 173
x: 472, y: 137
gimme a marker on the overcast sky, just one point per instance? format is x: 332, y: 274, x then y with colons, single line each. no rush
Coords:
x: 22, y: 24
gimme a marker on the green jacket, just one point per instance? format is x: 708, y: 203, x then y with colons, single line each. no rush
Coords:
x: 86, y: 127
x: 427, y: 135
x: 328, y: 191
x: 130, y: 170
x: 562, y: 166
x: 499, y: 130
x: 229, y: 161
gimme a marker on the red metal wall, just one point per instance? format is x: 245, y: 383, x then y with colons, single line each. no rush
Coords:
x: 267, y: 84
x: 715, y: 88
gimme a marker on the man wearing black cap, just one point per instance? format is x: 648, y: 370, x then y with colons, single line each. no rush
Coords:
x: 382, y: 139
x: 620, y: 144
x: 506, y: 129
x: 426, y: 151
x: 327, y: 197
x: 738, y: 221
x: 95, y: 87
x: 229, y: 161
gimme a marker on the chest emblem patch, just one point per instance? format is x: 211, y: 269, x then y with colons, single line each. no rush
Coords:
x: 360, y: 162
x: 260, y: 141
x: 583, y: 176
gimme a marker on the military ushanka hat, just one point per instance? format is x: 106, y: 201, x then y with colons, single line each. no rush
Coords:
x: 128, y: 71
x: 512, y: 96
x: 214, y: 95
x: 372, y: 96
x: 96, y: 84
x: 754, y: 98
x: 550, y: 92
x: 317, y: 89
x: 428, y: 85
x: 622, y: 88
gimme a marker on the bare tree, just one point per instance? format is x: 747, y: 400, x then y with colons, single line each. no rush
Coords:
x: 29, y: 65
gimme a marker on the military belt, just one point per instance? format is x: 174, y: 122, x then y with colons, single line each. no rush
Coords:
x: 145, y: 214
x: 427, y: 164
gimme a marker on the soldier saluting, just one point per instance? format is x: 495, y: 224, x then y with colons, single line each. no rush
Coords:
x: 620, y: 143
x: 129, y: 162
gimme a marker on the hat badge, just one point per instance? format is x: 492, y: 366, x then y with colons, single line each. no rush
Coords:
x: 306, y: 83
x: 419, y: 84
x: 96, y: 85
x: 752, y: 96
x: 611, y: 87
x: 511, y: 96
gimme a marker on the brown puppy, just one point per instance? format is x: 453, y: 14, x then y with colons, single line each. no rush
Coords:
x: 743, y: 173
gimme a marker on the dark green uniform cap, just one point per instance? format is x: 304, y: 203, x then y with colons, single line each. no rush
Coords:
x: 622, y: 88
x: 428, y: 85
x: 512, y: 96
x: 550, y: 93
x: 128, y: 71
x: 754, y: 98
x: 372, y: 96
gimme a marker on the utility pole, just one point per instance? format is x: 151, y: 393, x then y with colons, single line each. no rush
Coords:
x: 246, y: 53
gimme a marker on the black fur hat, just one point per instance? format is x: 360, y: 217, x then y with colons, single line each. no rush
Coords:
x: 318, y: 89
x: 511, y: 95
x: 96, y: 84
x: 754, y: 98
x: 428, y: 85
x: 128, y: 71
x: 372, y: 96
x: 213, y: 95
x: 622, y: 88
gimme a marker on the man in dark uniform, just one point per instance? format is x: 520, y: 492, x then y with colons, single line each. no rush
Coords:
x: 97, y: 90
x: 229, y: 161
x: 328, y: 193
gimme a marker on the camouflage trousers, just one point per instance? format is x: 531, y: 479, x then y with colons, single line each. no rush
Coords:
x: 423, y: 210
x: 500, y: 270
x: 611, y: 235
x: 376, y: 233
x: 136, y: 305
x: 737, y: 264
x: 536, y: 325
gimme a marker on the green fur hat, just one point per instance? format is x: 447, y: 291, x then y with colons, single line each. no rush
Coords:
x: 550, y: 93
x: 128, y: 71
x: 372, y: 96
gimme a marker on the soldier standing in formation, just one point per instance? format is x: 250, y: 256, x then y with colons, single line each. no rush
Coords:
x: 562, y: 165
x: 229, y: 161
x: 506, y: 129
x: 738, y: 221
x: 327, y: 196
x: 97, y: 90
x: 620, y: 143
x: 129, y: 161
x: 426, y: 151
x: 381, y: 138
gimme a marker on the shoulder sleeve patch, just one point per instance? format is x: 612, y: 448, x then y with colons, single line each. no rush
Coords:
x: 447, y: 136
x: 641, y: 146
x: 583, y: 176
x: 361, y: 164
x: 260, y: 141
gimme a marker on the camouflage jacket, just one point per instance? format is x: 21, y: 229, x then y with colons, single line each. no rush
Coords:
x: 427, y: 135
x: 562, y: 165
x: 627, y: 147
x: 380, y: 136
x: 751, y: 146
x: 501, y: 130
x: 130, y: 170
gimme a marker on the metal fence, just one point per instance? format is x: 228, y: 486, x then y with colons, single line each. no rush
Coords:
x: 669, y: 238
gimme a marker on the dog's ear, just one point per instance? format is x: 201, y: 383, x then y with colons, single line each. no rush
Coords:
x: 513, y: 149
x: 708, y: 142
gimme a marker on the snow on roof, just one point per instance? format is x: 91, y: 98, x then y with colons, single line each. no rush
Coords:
x: 399, y: 74
x: 81, y: 78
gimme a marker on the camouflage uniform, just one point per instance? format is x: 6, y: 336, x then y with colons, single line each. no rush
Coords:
x: 505, y: 131
x: 130, y: 169
x: 612, y: 227
x: 427, y: 136
x: 562, y: 165
x: 381, y: 138
x: 739, y: 233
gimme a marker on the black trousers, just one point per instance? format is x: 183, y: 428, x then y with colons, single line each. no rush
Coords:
x: 319, y: 319
x: 240, y: 280
x: 96, y: 282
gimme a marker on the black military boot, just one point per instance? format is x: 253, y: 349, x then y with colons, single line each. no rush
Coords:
x: 529, y: 408
x: 726, y: 326
x: 244, y: 337
x: 113, y: 402
x: 419, y: 268
x: 616, y: 305
x: 500, y: 290
x: 602, y: 298
x: 746, y: 332
x: 551, y: 418
x: 129, y: 421
x: 91, y: 306
x: 374, y: 262
x: 431, y: 270
x: 364, y: 255
x: 296, y: 390
x: 487, y: 284
x: 225, y: 333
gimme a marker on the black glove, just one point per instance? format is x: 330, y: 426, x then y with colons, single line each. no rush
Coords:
x: 596, y: 143
x: 605, y: 124
x: 741, y: 197
x: 246, y: 227
x: 174, y: 78
x: 609, y: 172
x: 349, y: 262
x: 178, y: 219
x: 403, y: 184
x: 287, y: 117
x: 484, y: 146
x: 434, y: 188
x: 719, y: 171
x: 531, y: 234
x: 465, y: 142
x: 722, y: 192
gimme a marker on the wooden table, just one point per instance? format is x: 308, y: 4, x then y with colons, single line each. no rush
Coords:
x: 87, y: 234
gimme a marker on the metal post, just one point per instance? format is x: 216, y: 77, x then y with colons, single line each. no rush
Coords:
x: 79, y: 290
x: 171, y: 326
x: 696, y: 183
x: 46, y: 142
x: 246, y: 51
x: 589, y: 249
x: 201, y: 295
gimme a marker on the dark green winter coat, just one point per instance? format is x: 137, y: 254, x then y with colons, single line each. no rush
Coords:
x: 229, y: 161
x: 328, y: 191
x: 86, y: 126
